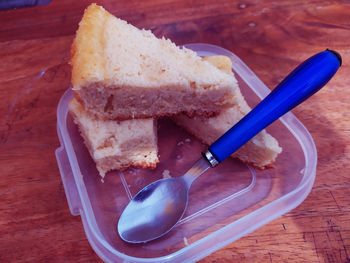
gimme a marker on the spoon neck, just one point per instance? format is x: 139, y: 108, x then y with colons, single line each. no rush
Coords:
x: 197, y: 169
x: 189, y: 179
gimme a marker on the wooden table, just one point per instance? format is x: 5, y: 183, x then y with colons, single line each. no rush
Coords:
x: 271, y: 37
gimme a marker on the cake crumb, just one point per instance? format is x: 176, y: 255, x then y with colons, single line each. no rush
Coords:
x: 102, y: 180
x: 188, y: 140
x: 180, y: 143
x: 186, y: 241
x: 166, y: 174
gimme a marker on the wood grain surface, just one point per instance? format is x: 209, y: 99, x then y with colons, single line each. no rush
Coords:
x: 272, y: 37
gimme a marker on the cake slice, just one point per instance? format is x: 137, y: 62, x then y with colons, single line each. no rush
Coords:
x: 121, y: 72
x: 117, y: 144
x: 261, y: 151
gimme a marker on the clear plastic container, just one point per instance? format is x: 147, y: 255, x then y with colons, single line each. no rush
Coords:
x: 225, y: 204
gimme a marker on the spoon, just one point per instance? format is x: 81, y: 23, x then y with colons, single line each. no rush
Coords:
x: 156, y: 209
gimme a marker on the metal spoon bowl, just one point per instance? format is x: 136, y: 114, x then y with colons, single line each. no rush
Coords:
x: 140, y: 222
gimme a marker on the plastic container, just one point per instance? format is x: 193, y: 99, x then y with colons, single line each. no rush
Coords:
x: 225, y: 204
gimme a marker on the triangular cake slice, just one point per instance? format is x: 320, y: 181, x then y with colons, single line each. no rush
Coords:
x: 121, y: 72
x: 261, y: 151
x: 117, y: 144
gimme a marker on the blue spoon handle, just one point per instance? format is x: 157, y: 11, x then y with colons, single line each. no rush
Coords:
x: 304, y: 81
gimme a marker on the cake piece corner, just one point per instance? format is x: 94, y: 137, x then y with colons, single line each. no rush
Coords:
x: 117, y: 145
